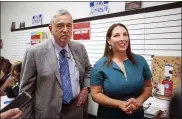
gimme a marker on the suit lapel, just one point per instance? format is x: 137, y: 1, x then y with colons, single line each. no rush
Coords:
x: 52, y: 60
x: 74, y: 52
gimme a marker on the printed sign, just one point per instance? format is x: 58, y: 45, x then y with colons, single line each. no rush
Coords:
x: 81, y: 31
x: 168, y: 87
x: 37, y: 20
x: 39, y: 36
x: 35, y: 39
x: 99, y: 8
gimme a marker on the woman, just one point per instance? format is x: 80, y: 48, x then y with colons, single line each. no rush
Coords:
x: 11, y: 86
x: 123, y: 76
x: 12, y: 90
x: 6, y: 69
x: 1, y: 63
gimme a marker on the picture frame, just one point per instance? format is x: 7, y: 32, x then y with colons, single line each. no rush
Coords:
x: 130, y: 5
x: 37, y: 20
x: 22, y: 24
x: 12, y: 26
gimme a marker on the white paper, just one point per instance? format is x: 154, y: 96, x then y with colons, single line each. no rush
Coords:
x: 152, y: 110
x: 156, y: 102
x: 4, y: 99
x: 168, y: 71
x: 161, y: 89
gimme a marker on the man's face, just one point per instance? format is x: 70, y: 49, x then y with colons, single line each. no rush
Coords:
x: 61, y: 29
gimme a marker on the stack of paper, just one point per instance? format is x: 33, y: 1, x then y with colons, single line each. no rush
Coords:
x: 152, y: 106
x: 156, y: 102
x: 151, y: 112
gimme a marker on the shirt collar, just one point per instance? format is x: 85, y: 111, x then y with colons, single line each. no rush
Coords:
x: 58, y: 48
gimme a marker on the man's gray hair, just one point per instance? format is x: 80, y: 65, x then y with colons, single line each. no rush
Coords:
x: 59, y: 13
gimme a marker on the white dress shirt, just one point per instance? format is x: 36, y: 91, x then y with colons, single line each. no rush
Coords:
x: 73, y: 69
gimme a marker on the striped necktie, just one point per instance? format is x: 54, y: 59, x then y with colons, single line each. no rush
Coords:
x: 65, y: 77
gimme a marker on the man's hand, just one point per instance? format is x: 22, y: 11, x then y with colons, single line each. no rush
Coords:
x: 82, y: 96
x: 12, y: 113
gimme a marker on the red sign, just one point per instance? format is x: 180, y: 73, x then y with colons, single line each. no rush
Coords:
x: 168, y: 87
x: 1, y: 44
x: 81, y: 31
x: 35, y: 39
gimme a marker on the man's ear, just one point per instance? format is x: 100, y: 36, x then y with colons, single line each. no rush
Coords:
x: 50, y: 28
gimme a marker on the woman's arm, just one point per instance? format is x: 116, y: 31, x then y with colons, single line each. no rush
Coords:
x: 6, y: 85
x: 99, y: 97
x: 147, y: 91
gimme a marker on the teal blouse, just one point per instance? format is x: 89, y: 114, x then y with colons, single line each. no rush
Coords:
x: 113, y: 81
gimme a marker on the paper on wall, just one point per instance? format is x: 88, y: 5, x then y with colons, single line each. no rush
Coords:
x: 168, y: 72
x: 161, y: 89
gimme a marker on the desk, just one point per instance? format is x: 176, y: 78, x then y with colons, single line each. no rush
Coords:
x: 5, y: 101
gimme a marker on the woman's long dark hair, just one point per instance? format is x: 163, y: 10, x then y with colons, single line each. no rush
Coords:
x: 109, y: 53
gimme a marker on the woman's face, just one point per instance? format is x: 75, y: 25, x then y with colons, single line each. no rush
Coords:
x: 119, y: 39
x: 6, y: 69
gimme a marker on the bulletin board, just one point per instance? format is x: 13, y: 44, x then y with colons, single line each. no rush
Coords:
x: 166, y: 71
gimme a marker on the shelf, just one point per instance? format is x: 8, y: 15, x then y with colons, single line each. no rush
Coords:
x: 31, y: 27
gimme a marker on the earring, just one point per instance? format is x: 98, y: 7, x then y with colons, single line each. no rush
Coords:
x: 110, y: 47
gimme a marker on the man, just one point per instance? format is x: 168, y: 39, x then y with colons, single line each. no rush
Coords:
x: 56, y: 73
x: 12, y: 113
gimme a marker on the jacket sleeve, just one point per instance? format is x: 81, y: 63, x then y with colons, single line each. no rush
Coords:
x: 27, y: 82
x: 87, y: 68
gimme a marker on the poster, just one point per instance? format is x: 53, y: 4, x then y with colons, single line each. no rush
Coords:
x: 99, y: 8
x: 37, y: 20
x: 38, y: 37
x: 35, y: 39
x: 81, y: 31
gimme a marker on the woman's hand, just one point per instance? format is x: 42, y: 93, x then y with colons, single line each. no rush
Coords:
x: 137, y: 102
x: 132, y: 107
x: 125, y: 106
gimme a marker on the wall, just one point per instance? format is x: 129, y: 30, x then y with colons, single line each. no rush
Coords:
x: 46, y: 9
x: 23, y: 11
